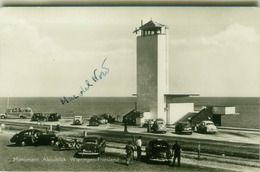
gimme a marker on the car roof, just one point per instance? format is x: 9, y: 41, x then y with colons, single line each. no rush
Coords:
x: 207, y: 121
x: 23, y: 131
x: 159, y: 119
x: 158, y: 141
x: 92, y: 137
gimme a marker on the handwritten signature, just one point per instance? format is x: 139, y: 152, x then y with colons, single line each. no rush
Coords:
x: 98, y: 74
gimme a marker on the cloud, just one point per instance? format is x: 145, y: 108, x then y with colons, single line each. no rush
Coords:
x: 235, y: 34
x: 224, y: 64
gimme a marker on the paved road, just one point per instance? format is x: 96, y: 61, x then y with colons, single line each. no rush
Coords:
x: 48, y: 158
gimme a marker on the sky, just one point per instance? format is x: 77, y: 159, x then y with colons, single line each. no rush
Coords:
x: 53, y: 52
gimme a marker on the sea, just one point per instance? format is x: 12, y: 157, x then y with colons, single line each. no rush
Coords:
x: 247, y: 107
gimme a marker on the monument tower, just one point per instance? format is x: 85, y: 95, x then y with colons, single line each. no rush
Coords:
x: 152, y: 70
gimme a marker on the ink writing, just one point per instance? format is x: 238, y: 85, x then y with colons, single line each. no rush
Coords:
x: 98, y: 74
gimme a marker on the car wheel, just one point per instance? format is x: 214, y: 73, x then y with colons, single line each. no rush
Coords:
x: 3, y: 117
x: 23, y: 143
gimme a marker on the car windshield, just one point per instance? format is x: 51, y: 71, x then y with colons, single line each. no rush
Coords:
x: 87, y: 141
x: 209, y: 123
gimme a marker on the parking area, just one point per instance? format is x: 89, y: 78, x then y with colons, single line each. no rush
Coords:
x: 237, y: 136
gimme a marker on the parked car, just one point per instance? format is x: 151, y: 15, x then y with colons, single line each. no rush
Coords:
x: 158, y: 150
x: 206, y: 127
x: 38, y: 117
x: 2, y: 116
x: 148, y: 122
x: 159, y: 125
x: 53, y: 116
x: 92, y: 145
x: 183, y: 127
x: 97, y: 120
x: 32, y: 137
x: 109, y: 118
x: 94, y: 121
x: 19, y: 113
x: 78, y: 120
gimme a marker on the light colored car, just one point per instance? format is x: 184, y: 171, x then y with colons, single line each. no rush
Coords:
x: 78, y: 120
x: 2, y: 115
x: 158, y: 126
x: 207, y: 127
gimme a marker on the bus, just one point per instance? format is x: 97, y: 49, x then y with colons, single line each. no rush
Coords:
x: 19, y: 113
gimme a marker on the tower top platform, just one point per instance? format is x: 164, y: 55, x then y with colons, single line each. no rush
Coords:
x: 151, y: 28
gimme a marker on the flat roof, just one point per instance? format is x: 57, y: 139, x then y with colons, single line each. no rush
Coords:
x: 182, y: 94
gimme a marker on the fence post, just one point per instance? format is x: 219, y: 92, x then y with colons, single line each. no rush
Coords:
x: 85, y: 133
x: 199, y: 150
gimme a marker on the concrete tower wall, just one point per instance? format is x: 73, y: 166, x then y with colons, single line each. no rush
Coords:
x: 151, y: 63
x: 163, y: 76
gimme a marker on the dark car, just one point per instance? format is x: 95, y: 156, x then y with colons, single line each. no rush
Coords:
x: 97, y: 120
x: 33, y: 137
x: 92, y: 145
x: 109, y: 118
x: 183, y: 127
x: 53, y: 116
x: 158, y: 150
x: 38, y: 117
x: 94, y: 121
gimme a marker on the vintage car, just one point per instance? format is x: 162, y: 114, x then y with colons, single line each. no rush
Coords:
x: 92, y: 145
x: 183, y: 127
x: 2, y: 116
x: 97, y: 120
x: 158, y: 150
x: 53, y: 116
x: 148, y: 122
x: 78, y: 120
x: 38, y: 117
x: 94, y: 121
x: 33, y: 137
x: 107, y: 117
x: 206, y: 127
x: 159, y: 125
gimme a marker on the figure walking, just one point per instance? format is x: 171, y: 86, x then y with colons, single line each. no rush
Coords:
x: 176, y: 148
x: 129, y: 153
x: 58, y: 126
x: 139, y: 148
x: 125, y: 125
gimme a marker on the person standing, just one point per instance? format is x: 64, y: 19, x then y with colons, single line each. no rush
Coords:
x: 139, y: 148
x: 125, y: 125
x: 58, y: 126
x: 176, y: 148
x: 129, y: 153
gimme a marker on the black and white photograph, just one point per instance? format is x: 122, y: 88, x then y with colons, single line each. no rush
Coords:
x: 129, y: 88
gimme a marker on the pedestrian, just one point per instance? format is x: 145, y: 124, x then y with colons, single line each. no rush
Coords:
x: 2, y: 127
x: 139, y: 148
x: 125, y: 124
x: 176, y: 149
x: 129, y: 153
x: 58, y: 126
